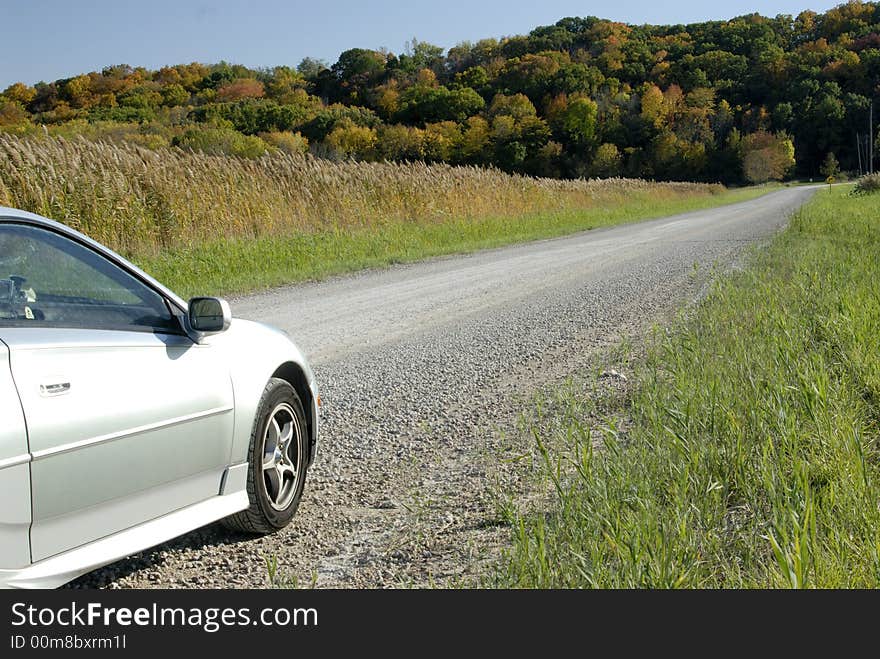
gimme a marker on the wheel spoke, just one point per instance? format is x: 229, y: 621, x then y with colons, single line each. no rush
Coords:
x: 286, y: 434
x: 286, y: 468
x: 282, y: 481
x: 273, y: 433
x: 270, y: 445
x: 274, y: 483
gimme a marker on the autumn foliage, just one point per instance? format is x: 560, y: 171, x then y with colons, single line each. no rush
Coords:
x: 741, y: 100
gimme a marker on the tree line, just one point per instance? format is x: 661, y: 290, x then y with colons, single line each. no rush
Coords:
x: 748, y: 99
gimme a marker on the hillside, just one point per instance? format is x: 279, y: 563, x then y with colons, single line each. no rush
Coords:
x: 747, y: 99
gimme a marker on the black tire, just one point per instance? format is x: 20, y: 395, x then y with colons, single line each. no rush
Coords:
x: 264, y: 516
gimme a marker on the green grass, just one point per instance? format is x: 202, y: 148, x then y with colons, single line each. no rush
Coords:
x: 245, y: 265
x: 750, y: 451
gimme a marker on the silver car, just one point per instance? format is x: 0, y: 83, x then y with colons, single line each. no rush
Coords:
x: 129, y: 417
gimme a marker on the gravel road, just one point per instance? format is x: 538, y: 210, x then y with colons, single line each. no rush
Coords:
x: 424, y: 369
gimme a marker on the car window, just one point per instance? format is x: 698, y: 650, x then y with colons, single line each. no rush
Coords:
x: 48, y: 279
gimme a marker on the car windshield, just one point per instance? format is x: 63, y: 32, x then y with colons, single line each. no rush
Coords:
x: 50, y: 279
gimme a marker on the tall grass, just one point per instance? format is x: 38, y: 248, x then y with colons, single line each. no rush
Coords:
x: 132, y: 198
x: 750, y: 457
x: 207, y: 223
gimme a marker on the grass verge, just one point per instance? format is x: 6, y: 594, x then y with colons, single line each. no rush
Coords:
x: 242, y: 265
x: 749, y: 456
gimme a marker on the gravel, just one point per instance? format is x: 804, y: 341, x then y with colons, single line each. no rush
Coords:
x: 424, y: 371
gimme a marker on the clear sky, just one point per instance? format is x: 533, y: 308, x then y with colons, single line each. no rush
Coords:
x: 51, y: 39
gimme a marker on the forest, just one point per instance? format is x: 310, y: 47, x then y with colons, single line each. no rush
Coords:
x: 744, y: 100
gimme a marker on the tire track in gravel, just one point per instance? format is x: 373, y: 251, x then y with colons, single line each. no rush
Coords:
x: 424, y: 369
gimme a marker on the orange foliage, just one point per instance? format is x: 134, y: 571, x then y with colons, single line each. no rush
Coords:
x: 240, y: 89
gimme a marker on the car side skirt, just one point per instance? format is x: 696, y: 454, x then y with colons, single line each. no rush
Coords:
x: 60, y: 569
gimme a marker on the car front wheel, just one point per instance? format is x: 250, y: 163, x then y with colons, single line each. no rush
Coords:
x: 277, y: 461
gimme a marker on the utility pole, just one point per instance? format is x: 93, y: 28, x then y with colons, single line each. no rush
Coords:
x: 859, y: 151
x: 871, y: 138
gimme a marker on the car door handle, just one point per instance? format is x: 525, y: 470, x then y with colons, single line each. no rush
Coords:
x: 55, y: 389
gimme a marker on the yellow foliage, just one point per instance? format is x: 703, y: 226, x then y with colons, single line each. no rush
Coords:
x: 353, y: 141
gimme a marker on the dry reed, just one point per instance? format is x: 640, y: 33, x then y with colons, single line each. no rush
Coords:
x: 140, y: 201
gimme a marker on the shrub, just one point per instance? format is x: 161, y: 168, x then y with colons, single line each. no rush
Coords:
x: 401, y: 143
x: 868, y: 184
x: 352, y: 141
x: 12, y: 113
x: 326, y: 120
x: 290, y: 143
x: 252, y: 116
x: 221, y: 142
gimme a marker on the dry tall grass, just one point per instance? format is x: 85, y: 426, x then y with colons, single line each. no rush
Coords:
x: 139, y: 201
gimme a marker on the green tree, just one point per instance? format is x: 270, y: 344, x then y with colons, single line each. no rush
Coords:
x: 310, y: 67
x: 355, y: 71
x: 579, y: 122
x: 421, y: 104
x: 606, y: 161
x: 221, y: 141
x: 420, y: 55
x: 325, y: 120
x: 174, y: 94
x: 830, y: 167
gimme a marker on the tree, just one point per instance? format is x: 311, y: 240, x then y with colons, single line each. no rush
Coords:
x: 577, y: 78
x: 77, y: 91
x: 653, y: 110
x: 236, y: 90
x: 146, y: 96
x: 174, y: 94
x: 475, y: 141
x: 285, y: 85
x: 289, y: 143
x: 400, y: 143
x: 353, y: 141
x: 11, y: 113
x: 221, y: 141
x: 766, y: 156
x: 579, y: 122
x: 607, y: 161
x: 20, y: 93
x: 668, y: 98
x: 441, y: 140
x: 325, y: 120
x: 830, y: 167
x: 476, y: 78
x: 310, y: 67
x: 251, y: 116
x: 516, y: 106
x: 420, y: 55
x: 356, y: 70
x: 421, y: 104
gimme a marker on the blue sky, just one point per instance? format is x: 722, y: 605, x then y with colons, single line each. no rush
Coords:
x: 50, y: 39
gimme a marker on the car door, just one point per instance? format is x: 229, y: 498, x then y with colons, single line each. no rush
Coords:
x: 127, y: 418
x: 15, y: 487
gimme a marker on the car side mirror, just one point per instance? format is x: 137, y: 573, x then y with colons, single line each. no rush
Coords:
x: 209, y: 315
